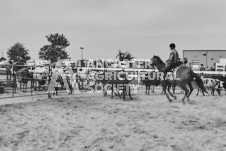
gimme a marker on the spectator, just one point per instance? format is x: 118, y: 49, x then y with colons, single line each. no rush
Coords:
x: 212, y: 68
x: 202, y: 67
x: 185, y: 61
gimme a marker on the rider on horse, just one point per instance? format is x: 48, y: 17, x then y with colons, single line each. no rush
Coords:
x: 173, y: 60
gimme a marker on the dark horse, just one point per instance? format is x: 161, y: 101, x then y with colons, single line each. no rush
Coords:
x: 184, y: 76
x: 148, y: 80
x: 120, y: 81
x: 24, y: 76
x: 102, y: 81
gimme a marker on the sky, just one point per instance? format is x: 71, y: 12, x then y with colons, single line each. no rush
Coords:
x: 142, y: 27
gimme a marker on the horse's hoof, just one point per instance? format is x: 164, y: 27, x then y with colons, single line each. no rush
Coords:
x: 188, y: 100
x: 175, y: 97
x: 183, y: 101
x: 170, y: 100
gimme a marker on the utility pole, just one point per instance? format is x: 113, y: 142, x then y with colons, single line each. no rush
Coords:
x: 82, y: 52
x: 206, y: 54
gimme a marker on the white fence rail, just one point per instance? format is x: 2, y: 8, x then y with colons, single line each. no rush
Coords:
x: 211, y: 72
x: 148, y: 70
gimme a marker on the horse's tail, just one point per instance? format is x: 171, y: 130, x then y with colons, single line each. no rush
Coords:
x: 198, y: 81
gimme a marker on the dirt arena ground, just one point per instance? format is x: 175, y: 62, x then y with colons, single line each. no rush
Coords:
x: 91, y: 122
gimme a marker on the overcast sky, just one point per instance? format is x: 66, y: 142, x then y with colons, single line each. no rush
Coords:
x: 142, y: 27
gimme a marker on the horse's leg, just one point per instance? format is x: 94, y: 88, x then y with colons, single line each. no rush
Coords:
x: 149, y: 89
x: 130, y: 93
x: 7, y: 75
x: 212, y: 92
x: 186, y: 92
x: 173, y: 88
x: 20, y: 86
x: 163, y: 92
x: 71, y: 89
x: 112, y: 91
x: 56, y: 89
x: 25, y: 86
x: 153, y: 88
x: 104, y: 90
x: 219, y: 92
x: 203, y: 93
x: 118, y: 94
x: 164, y: 86
x: 124, y: 92
x: 191, y: 89
x: 34, y: 85
x: 197, y: 92
x: 168, y: 89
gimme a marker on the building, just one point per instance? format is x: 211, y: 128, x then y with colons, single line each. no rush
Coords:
x: 221, y: 66
x: 32, y: 62
x: 206, y: 57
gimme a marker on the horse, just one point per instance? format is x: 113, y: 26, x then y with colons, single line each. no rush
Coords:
x: 8, y: 71
x: 82, y: 76
x: 212, y: 84
x: 115, y: 81
x: 69, y: 83
x: 40, y: 77
x: 148, y: 80
x: 103, y: 81
x: 42, y: 83
x: 24, y: 76
x: 184, y: 76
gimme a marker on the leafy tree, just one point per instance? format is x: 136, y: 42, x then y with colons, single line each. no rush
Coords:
x: 18, y: 53
x: 2, y: 59
x: 56, y: 49
x: 124, y: 56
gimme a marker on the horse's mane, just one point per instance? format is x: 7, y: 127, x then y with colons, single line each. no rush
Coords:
x: 159, y: 59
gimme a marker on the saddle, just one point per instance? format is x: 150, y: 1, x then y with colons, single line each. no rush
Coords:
x: 175, y: 66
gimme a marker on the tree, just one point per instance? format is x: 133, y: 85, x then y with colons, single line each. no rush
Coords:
x: 2, y: 59
x: 56, y: 50
x: 18, y: 53
x: 124, y: 56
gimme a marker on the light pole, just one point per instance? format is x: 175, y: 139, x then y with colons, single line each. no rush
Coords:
x: 82, y: 52
x: 205, y: 54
